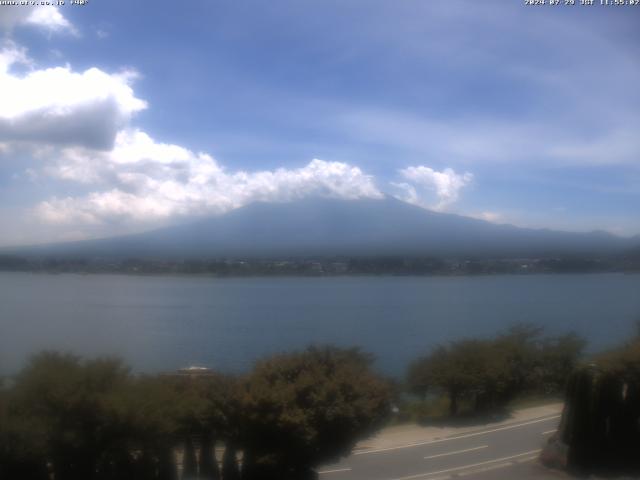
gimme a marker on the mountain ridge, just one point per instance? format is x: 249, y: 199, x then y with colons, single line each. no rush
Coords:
x: 336, y: 227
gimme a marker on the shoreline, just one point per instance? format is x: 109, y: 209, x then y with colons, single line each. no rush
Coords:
x: 290, y: 275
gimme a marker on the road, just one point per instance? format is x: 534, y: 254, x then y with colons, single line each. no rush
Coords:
x: 504, y: 451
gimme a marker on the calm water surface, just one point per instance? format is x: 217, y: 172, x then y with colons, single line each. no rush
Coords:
x: 159, y: 323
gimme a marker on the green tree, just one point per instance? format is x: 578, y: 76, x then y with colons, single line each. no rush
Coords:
x: 559, y: 356
x: 22, y: 443
x: 472, y: 370
x: 205, y: 406
x: 153, y: 408
x: 520, y: 348
x: 74, y: 404
x: 301, y: 409
x: 489, y: 373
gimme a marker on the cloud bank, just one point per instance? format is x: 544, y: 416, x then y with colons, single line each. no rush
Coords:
x: 57, y: 106
x: 148, y: 181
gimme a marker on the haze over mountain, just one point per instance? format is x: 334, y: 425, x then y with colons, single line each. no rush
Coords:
x: 330, y: 227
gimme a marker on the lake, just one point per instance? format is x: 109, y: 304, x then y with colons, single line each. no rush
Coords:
x: 161, y: 323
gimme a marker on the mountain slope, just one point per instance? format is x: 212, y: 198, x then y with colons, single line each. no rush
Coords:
x: 323, y: 227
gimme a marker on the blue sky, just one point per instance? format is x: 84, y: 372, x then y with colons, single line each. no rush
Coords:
x: 121, y: 116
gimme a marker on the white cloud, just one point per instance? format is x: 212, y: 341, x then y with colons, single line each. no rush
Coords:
x: 57, y: 106
x: 46, y: 17
x: 146, y: 181
x: 50, y: 19
x: 421, y: 180
x: 488, y: 216
x: 11, y: 54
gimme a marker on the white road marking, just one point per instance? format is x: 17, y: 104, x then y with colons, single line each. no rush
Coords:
x: 549, y: 431
x: 456, y: 452
x: 323, y: 472
x: 472, y: 465
x: 468, y: 435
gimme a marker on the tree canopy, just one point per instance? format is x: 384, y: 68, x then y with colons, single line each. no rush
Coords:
x: 304, y: 408
x: 490, y: 372
x: 82, y: 419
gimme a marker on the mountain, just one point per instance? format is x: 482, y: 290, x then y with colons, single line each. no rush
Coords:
x: 330, y: 227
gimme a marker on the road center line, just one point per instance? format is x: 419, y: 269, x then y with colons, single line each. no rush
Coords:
x: 472, y: 465
x: 456, y: 452
x: 324, y: 472
x: 549, y: 431
x: 468, y: 435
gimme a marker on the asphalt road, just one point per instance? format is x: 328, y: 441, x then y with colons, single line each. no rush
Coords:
x: 499, y: 452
